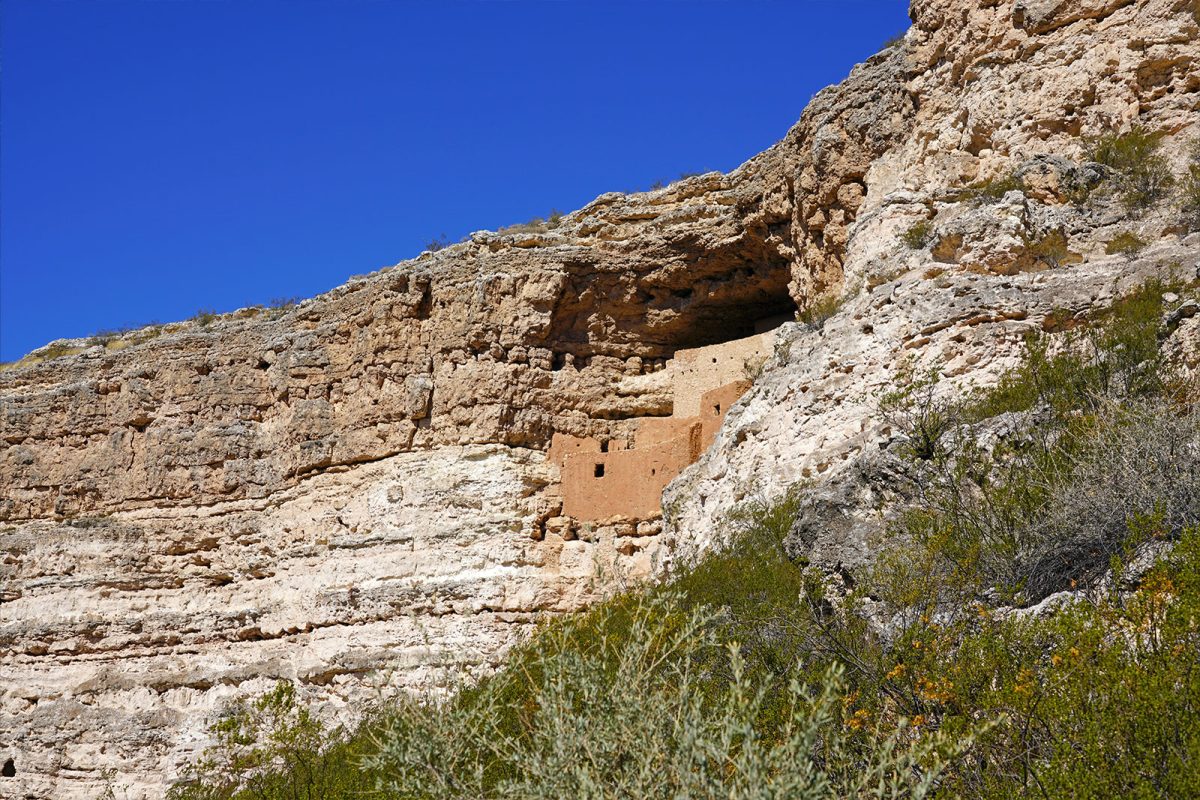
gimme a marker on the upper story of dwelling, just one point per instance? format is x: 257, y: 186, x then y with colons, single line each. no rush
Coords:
x: 601, y: 479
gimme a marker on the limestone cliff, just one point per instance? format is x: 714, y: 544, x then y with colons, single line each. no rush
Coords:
x: 355, y: 492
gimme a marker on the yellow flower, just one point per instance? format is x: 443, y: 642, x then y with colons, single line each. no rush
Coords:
x: 897, y: 672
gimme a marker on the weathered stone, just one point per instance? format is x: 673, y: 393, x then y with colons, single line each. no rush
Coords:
x: 355, y: 492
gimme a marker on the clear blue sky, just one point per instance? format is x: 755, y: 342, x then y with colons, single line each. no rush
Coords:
x: 161, y: 156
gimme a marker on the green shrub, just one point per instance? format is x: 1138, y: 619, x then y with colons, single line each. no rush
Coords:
x: 204, y: 317
x: 816, y: 313
x: 273, y: 748
x: 1124, y: 243
x: 625, y: 719
x: 1143, y: 174
x: 991, y: 190
x: 915, y: 410
x: 1099, y: 700
x: 919, y: 235
x: 1050, y: 249
x: 1190, y: 188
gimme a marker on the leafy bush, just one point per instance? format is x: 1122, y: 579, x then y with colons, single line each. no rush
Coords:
x: 1100, y: 699
x: 1125, y: 243
x: 1190, y: 187
x: 204, y: 317
x: 916, y: 411
x: 991, y: 190
x: 919, y: 235
x: 1050, y: 249
x: 625, y: 719
x: 273, y: 748
x: 1143, y: 174
x: 816, y: 313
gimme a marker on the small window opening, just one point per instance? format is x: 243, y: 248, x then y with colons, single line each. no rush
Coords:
x: 717, y: 408
x: 714, y: 359
x: 604, y: 447
x: 9, y: 770
x: 653, y: 471
x: 599, y: 471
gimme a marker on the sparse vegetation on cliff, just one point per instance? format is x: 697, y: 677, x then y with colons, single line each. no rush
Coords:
x: 1125, y: 243
x: 1190, y: 187
x: 818, y: 311
x: 919, y: 235
x: 991, y: 190
x: 1143, y: 174
x: 937, y: 671
x: 204, y: 317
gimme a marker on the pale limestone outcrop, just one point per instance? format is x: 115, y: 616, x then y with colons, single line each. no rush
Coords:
x: 999, y: 88
x: 354, y: 493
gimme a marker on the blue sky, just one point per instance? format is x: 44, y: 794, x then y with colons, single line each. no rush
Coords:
x: 162, y: 156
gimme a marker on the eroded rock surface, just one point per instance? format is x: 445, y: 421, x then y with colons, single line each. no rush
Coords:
x: 354, y: 493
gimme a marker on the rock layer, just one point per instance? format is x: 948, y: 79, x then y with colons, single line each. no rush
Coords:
x: 354, y: 493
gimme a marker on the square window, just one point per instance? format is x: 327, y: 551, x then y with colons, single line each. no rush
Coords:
x: 599, y: 471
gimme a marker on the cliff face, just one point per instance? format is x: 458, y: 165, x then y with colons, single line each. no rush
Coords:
x: 355, y: 493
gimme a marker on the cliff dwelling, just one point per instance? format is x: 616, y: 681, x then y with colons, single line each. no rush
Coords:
x: 625, y: 478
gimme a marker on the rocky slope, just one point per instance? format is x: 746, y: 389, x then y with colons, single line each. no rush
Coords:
x: 354, y: 492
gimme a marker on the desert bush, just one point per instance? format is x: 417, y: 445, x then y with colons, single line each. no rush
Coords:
x: 1050, y: 503
x: 1143, y: 174
x: 438, y: 243
x: 1050, y: 249
x: 204, y: 317
x: 283, y: 303
x: 624, y: 720
x: 537, y: 224
x: 919, y: 235
x: 1190, y: 187
x: 57, y: 350
x: 991, y: 190
x: 273, y: 748
x: 817, y: 312
x: 1141, y: 463
x: 1098, y: 700
x: 1125, y: 243
x: 917, y: 412
x: 103, y: 338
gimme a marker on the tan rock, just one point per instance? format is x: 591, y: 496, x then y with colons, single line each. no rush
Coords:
x: 355, y: 493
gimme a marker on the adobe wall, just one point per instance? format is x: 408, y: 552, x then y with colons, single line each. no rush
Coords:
x: 714, y: 405
x: 608, y: 479
x: 632, y: 481
x: 701, y: 369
